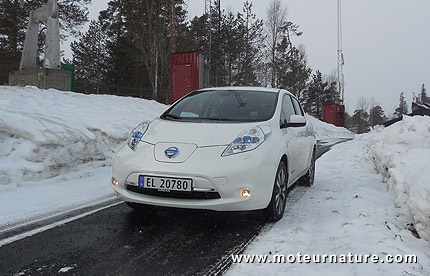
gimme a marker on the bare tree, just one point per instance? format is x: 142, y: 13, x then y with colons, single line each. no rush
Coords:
x: 331, y: 78
x: 276, y: 20
x: 372, y: 102
x: 362, y: 103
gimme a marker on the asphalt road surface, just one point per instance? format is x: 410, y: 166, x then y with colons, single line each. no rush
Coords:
x: 121, y: 241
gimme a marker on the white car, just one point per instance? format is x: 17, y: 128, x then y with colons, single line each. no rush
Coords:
x: 223, y: 149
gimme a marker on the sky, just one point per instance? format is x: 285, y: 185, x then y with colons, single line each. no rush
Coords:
x: 386, y: 43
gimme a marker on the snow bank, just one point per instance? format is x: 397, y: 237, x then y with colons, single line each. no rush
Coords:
x: 348, y: 210
x: 325, y: 131
x: 401, y: 153
x: 56, y: 148
x: 45, y: 133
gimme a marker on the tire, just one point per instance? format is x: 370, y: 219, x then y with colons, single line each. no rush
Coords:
x: 275, y: 209
x: 308, y: 179
x: 139, y: 207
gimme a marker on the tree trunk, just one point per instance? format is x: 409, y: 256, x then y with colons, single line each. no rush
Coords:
x: 172, y: 27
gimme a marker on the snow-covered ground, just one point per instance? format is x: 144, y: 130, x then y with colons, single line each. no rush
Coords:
x: 56, y: 148
x: 352, y: 208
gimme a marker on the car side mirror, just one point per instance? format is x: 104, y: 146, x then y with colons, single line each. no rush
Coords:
x: 297, y: 121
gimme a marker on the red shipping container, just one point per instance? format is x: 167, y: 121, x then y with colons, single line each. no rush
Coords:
x: 334, y: 114
x: 188, y: 72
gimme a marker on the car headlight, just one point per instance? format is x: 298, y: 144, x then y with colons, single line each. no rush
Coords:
x: 248, y: 140
x: 136, y: 134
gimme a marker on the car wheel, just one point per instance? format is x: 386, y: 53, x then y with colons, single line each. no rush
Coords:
x: 276, y: 208
x: 308, y: 179
x: 139, y: 207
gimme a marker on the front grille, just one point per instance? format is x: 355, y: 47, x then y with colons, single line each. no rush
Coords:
x: 174, y: 194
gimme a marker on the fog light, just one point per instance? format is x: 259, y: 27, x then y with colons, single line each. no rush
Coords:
x: 115, y: 182
x: 245, y: 192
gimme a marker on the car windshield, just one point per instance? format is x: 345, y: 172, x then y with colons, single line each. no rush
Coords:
x: 224, y: 105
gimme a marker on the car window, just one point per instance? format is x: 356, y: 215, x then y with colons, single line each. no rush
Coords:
x: 224, y: 105
x: 287, y: 109
x: 297, y: 107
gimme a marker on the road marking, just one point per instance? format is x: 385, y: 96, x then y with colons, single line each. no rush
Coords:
x: 52, y: 225
x: 17, y: 226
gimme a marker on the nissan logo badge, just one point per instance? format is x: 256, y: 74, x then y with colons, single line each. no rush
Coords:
x: 171, y: 152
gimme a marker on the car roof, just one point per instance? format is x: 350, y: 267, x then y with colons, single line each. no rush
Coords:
x: 247, y: 88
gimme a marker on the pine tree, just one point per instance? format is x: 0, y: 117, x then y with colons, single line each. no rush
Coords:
x: 348, y: 121
x: 251, y: 31
x: 236, y: 48
x: 89, y: 59
x: 360, y: 121
x: 232, y: 47
x: 118, y: 79
x: 321, y: 89
x: 313, y: 98
x: 376, y: 116
x: 290, y: 65
x: 293, y: 70
x: 403, y: 106
x: 423, y: 95
x: 331, y: 94
x: 194, y: 37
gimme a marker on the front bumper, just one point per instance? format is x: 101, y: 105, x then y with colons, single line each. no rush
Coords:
x: 210, y: 172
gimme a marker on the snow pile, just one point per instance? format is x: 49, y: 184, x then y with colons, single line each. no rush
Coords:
x: 347, y: 211
x: 56, y: 148
x: 401, y: 154
x: 325, y: 131
x: 45, y: 133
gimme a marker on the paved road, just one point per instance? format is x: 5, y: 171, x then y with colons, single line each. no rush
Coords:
x: 120, y: 241
x: 326, y: 144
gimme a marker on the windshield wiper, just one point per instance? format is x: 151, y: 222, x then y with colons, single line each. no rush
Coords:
x: 218, y: 119
x: 172, y: 116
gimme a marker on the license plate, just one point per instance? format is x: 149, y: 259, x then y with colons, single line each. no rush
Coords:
x: 165, y: 184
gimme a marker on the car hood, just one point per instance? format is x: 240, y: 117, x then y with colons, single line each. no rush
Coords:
x: 200, y: 134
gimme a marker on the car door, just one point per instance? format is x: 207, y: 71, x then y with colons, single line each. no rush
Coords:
x: 303, y: 141
x: 291, y: 140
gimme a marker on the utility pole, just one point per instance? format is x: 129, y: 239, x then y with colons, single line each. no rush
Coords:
x: 340, y: 60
